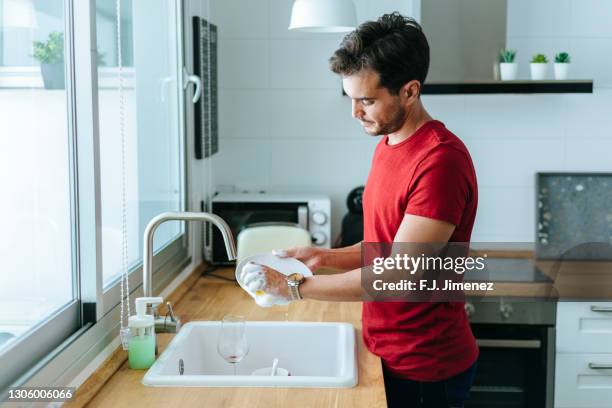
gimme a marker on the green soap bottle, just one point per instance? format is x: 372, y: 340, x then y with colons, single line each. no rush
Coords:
x: 141, y: 346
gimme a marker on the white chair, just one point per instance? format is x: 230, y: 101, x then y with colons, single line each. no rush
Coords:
x: 264, y: 237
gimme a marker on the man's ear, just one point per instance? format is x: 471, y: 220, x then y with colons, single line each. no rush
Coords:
x: 411, y: 90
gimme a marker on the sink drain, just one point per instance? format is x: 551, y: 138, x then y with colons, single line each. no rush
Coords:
x: 181, y: 366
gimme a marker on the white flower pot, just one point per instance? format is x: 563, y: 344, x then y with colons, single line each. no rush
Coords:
x: 538, y: 70
x: 508, y: 70
x: 561, y: 70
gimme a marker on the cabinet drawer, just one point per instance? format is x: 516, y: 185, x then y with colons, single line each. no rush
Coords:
x: 584, y: 327
x: 583, y: 380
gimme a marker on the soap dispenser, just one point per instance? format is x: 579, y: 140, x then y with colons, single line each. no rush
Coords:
x: 141, y: 346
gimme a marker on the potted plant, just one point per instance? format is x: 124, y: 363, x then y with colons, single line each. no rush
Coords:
x: 507, y: 67
x: 539, y: 65
x: 50, y: 54
x: 562, y: 61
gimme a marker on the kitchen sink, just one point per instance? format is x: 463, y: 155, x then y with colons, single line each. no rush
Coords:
x: 317, y: 355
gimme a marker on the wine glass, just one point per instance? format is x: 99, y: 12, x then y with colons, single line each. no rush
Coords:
x: 232, y: 344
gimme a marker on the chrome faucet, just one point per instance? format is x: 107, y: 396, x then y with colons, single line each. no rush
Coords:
x: 170, y: 323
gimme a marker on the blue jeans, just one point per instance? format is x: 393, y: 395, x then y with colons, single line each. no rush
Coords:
x: 450, y: 393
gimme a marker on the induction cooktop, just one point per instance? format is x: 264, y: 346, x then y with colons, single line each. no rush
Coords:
x: 507, y: 270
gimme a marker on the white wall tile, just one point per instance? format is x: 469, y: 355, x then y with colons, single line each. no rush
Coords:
x: 538, y: 18
x: 309, y: 114
x: 244, y: 113
x: 590, y: 115
x: 591, y: 18
x: 199, y: 8
x: 241, y: 19
x: 321, y: 162
x: 505, y: 214
x: 515, y: 116
x: 244, y: 64
x: 242, y: 163
x: 514, y: 162
x: 592, y: 59
x: 279, y: 17
x: 373, y: 9
x: 589, y: 155
x: 303, y: 64
x: 449, y: 109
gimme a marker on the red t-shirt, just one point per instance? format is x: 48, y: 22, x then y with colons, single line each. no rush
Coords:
x: 430, y: 174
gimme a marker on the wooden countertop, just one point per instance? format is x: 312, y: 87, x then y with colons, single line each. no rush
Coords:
x: 210, y: 298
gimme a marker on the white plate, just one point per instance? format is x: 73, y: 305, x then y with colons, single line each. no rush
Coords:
x: 286, y: 266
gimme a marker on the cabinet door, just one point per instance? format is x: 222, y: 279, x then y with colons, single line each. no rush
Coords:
x: 584, y: 327
x: 583, y: 380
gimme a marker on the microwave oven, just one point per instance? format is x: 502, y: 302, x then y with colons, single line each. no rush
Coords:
x: 240, y: 210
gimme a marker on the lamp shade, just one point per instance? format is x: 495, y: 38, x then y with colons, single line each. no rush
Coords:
x: 323, y: 16
x: 18, y: 14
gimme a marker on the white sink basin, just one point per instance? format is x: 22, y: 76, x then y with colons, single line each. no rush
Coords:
x: 320, y: 355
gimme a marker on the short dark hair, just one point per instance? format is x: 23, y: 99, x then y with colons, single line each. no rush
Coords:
x: 394, y: 46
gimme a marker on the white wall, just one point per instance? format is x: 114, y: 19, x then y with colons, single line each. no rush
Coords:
x: 513, y: 136
x: 285, y: 125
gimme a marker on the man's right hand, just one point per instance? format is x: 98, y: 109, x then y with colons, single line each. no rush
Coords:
x: 313, y: 257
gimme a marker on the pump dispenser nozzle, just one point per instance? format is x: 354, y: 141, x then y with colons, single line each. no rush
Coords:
x: 142, y: 302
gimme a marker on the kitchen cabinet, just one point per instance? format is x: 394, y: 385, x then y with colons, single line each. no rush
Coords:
x: 583, y: 364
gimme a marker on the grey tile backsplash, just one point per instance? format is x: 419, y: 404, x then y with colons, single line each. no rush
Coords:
x: 574, y: 216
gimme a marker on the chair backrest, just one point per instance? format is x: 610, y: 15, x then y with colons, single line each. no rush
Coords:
x: 263, y: 239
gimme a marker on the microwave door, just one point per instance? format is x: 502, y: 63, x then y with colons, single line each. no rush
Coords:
x: 303, y: 216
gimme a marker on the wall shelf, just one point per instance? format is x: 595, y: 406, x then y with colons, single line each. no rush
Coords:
x: 516, y: 87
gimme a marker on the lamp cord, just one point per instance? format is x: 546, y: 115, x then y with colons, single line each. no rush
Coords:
x: 125, y: 284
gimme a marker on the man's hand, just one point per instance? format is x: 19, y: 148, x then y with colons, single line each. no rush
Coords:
x: 313, y: 257
x: 258, y: 277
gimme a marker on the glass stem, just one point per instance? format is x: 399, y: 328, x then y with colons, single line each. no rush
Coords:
x: 235, y: 364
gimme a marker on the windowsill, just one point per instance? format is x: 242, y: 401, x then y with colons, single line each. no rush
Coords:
x: 31, y: 78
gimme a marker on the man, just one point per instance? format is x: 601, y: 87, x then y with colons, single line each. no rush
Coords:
x: 421, y: 189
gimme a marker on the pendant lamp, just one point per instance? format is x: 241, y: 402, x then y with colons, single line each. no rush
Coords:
x: 323, y: 16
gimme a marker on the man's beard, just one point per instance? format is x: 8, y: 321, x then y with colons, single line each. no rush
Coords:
x: 397, y: 121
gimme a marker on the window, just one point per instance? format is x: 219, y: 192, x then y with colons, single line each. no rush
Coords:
x: 36, y: 256
x: 38, y: 283
x: 61, y: 257
x: 154, y: 172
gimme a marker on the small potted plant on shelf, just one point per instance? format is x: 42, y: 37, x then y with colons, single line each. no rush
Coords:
x: 562, y: 62
x: 50, y: 54
x: 539, y: 65
x: 507, y: 67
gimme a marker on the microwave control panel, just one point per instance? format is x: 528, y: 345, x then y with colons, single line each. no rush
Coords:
x: 319, y: 223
